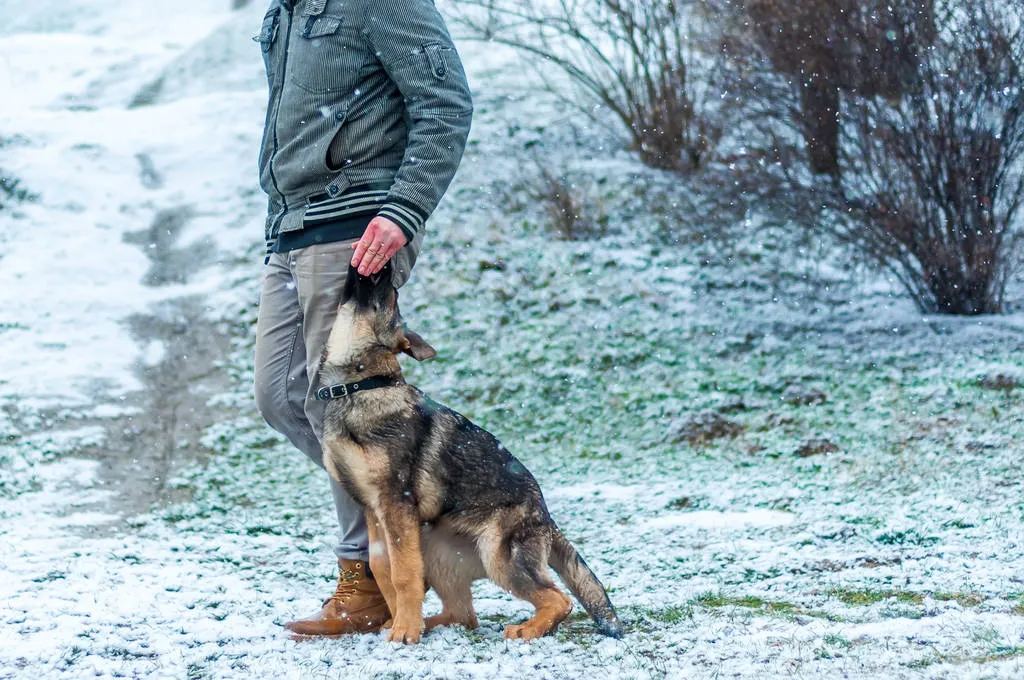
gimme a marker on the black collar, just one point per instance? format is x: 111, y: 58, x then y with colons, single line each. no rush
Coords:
x: 348, y: 389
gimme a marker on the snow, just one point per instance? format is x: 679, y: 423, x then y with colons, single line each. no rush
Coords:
x: 707, y: 519
x: 898, y: 554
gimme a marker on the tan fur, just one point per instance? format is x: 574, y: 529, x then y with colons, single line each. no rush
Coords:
x: 490, y: 540
x: 402, y: 533
x: 340, y: 345
x: 429, y: 495
x: 552, y: 605
x: 452, y: 564
x: 379, y: 563
x: 343, y: 458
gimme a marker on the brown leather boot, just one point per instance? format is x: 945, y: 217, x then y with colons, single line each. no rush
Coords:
x: 357, y: 606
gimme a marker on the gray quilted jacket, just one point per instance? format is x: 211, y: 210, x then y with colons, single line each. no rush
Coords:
x: 369, y: 112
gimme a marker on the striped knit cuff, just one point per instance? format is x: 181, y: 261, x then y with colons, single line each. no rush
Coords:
x: 405, y: 214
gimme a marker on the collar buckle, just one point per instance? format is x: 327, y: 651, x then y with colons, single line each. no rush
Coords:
x: 347, y: 390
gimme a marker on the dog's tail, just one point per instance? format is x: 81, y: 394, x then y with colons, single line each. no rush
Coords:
x: 584, y: 585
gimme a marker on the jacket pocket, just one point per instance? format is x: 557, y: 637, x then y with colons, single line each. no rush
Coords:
x: 266, y: 38
x: 332, y: 159
x: 432, y: 80
x: 435, y: 57
x: 326, y: 55
x: 268, y: 32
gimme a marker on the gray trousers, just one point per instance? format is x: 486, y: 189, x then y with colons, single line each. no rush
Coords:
x: 298, y: 304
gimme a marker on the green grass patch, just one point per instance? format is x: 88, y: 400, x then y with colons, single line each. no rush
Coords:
x: 835, y: 640
x: 714, y: 600
x: 910, y: 537
x: 1000, y: 654
x: 866, y: 598
x: 834, y: 647
x: 671, y: 615
x: 758, y: 605
x: 963, y: 599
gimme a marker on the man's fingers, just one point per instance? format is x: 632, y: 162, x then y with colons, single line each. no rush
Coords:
x: 375, y: 259
x: 365, y: 244
x: 357, y: 256
x: 381, y: 240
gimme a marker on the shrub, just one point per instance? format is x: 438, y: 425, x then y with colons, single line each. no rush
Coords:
x: 914, y: 109
x: 934, y: 178
x: 823, y: 48
x: 634, y: 57
x: 573, y: 211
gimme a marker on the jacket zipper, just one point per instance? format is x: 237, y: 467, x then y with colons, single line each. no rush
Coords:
x: 277, y: 112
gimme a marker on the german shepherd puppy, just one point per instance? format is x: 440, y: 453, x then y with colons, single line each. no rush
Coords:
x: 445, y: 502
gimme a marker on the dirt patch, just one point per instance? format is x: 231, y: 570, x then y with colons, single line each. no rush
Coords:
x: 999, y: 381
x: 705, y: 427
x: 183, y: 349
x: 144, y: 450
x: 800, y: 395
x: 816, y: 446
x: 169, y: 263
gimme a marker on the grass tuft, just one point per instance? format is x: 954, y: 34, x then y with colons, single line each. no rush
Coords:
x: 866, y: 598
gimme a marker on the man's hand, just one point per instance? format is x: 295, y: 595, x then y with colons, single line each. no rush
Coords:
x: 381, y: 240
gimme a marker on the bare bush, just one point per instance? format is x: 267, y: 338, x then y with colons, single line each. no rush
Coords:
x: 869, y: 48
x: 920, y: 130
x: 823, y: 48
x: 934, y: 178
x: 568, y: 202
x: 634, y: 57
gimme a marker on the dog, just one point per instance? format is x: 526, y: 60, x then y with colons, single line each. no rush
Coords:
x: 445, y: 502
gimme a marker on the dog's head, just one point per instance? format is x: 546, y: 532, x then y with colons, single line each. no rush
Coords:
x: 369, y: 322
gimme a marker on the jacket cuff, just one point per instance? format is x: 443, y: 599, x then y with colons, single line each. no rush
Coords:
x: 409, y: 217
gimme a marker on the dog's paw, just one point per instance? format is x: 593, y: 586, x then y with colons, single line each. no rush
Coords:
x: 436, y: 621
x: 525, y: 631
x: 408, y: 633
x: 468, y: 622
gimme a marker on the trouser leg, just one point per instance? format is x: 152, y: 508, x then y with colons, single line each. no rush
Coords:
x: 297, y: 307
x: 319, y: 272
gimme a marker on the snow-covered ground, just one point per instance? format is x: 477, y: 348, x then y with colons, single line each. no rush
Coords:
x: 776, y: 466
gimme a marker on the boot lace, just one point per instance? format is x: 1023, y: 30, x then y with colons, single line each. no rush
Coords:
x: 348, y: 581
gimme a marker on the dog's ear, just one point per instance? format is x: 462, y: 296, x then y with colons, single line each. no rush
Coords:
x: 417, y: 347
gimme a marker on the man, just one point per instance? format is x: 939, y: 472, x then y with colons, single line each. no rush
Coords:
x: 367, y: 122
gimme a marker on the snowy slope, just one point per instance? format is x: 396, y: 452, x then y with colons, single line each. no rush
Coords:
x: 674, y: 399
x: 103, y: 171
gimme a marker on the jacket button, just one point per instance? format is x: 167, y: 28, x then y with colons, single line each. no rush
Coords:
x: 333, y: 190
x: 340, y: 115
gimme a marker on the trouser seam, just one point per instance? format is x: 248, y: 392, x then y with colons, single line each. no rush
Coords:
x: 287, y: 393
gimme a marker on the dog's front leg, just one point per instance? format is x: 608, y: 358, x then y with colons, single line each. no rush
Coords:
x: 402, y: 534
x: 379, y: 562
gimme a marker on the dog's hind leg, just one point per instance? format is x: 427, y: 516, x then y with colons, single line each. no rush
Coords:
x: 457, y: 609
x: 451, y: 563
x: 379, y: 563
x: 518, y: 562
